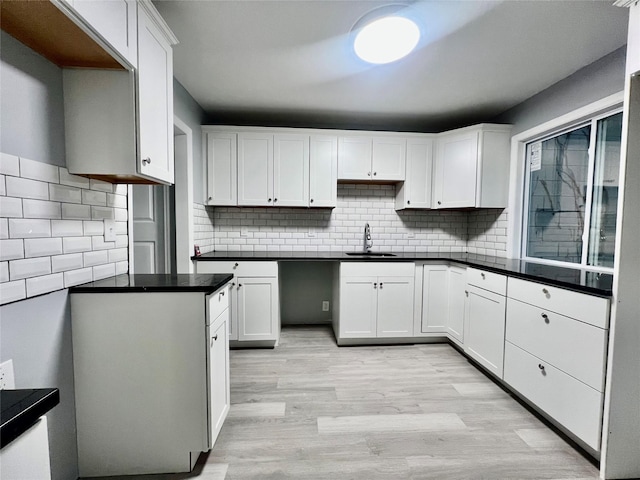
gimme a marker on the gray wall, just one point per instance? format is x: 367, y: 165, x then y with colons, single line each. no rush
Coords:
x: 36, y: 333
x: 187, y: 110
x: 303, y: 288
x: 31, y: 104
x: 598, y: 80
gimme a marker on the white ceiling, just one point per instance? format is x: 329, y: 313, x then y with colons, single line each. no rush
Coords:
x: 290, y: 62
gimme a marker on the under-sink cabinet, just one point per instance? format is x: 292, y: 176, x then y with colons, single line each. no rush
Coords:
x: 373, y: 300
x: 555, y: 354
x: 484, y: 318
x: 255, y: 300
x: 151, y: 373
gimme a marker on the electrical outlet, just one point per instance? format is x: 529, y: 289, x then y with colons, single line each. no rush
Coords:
x: 7, y: 379
x: 411, y: 235
x: 325, y: 306
x: 244, y: 231
x: 311, y: 234
x: 109, y: 230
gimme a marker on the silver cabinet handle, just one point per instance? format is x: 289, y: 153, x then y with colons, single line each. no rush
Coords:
x: 146, y: 160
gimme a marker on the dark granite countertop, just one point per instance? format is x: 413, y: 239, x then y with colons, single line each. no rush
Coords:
x: 207, y: 283
x: 577, y: 279
x: 20, y: 409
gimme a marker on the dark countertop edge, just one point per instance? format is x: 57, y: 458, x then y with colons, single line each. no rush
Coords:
x: 98, y: 287
x: 44, y: 399
x: 418, y: 257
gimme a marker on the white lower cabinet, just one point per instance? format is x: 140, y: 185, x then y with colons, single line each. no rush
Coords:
x: 255, y: 300
x: 435, y: 299
x: 27, y: 457
x: 151, y: 379
x: 375, y: 300
x: 456, y: 300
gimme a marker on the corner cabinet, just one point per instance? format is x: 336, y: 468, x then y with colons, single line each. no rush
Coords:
x: 255, y: 300
x: 375, y: 300
x: 119, y: 123
x: 472, y: 167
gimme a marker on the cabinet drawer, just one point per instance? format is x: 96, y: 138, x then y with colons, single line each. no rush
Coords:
x: 493, y: 282
x: 586, y: 308
x: 217, y: 303
x: 573, y: 404
x: 574, y: 347
x: 239, y: 268
x: 377, y: 269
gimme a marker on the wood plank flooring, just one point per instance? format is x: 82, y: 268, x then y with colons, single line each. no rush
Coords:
x: 310, y: 410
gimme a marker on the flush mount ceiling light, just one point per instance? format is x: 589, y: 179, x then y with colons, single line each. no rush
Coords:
x: 385, y: 39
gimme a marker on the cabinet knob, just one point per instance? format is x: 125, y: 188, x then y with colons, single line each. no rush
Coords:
x: 482, y: 275
x: 381, y: 284
x: 375, y: 285
x: 369, y: 174
x: 222, y: 293
x: 239, y: 285
x: 541, y: 367
x: 311, y: 201
x: 546, y: 292
x: 408, y: 202
x: 146, y: 160
x: 375, y: 173
x: 275, y: 200
x: 210, y: 198
x: 466, y: 292
x: 268, y: 200
x: 439, y: 202
x: 236, y: 265
x: 233, y: 284
x: 545, y: 317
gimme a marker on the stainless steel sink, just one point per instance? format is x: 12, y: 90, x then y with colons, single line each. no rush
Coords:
x: 371, y: 254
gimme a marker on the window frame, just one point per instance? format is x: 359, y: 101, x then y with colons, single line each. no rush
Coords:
x: 519, y: 177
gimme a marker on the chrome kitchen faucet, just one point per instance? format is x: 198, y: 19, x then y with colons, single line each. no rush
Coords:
x: 368, y: 242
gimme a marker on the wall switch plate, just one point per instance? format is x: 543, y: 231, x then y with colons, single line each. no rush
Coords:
x: 411, y: 235
x: 311, y: 234
x: 7, y: 378
x: 109, y: 230
x: 325, y: 305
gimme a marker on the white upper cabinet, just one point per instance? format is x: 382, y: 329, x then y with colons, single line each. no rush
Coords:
x: 115, y: 21
x: 255, y: 169
x: 155, y: 97
x: 472, y: 168
x: 415, y: 192
x: 222, y: 168
x: 291, y: 170
x: 371, y: 158
x: 323, y: 171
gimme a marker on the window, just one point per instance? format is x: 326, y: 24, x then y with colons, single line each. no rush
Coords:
x: 571, y: 194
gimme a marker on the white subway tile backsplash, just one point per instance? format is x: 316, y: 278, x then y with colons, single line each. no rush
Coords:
x: 4, y: 272
x: 95, y: 258
x: 71, y: 180
x: 92, y: 228
x: 120, y: 215
x: 11, y: 207
x: 41, y: 247
x: 76, y: 277
x: 121, y: 228
x: 63, y: 193
x: 104, y: 271
x: 91, y: 197
x: 25, y: 188
x: 118, y: 201
x: 76, y: 244
x: 29, y: 228
x: 122, y: 241
x: 98, y: 243
x: 74, y: 211
x: 4, y: 228
x: 12, y: 291
x: 3, y: 186
x: 9, y: 165
x: 66, y: 228
x: 61, y: 263
x: 101, y: 186
x: 102, y: 213
x: 121, y: 189
x: 40, y: 209
x: 29, y: 267
x: 122, y: 267
x: 38, y: 171
x: 118, y: 255
x: 44, y: 284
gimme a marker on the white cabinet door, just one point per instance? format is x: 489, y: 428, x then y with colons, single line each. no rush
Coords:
x: 395, y: 307
x: 457, y: 287
x: 255, y: 169
x: 222, y: 162
x: 388, y: 158
x: 323, y: 171
x: 455, y: 170
x: 291, y: 170
x: 484, y: 329
x: 257, y: 308
x: 358, y: 307
x: 115, y: 21
x: 155, y: 100
x: 354, y: 158
x: 416, y: 192
x: 435, y: 298
x: 219, y: 398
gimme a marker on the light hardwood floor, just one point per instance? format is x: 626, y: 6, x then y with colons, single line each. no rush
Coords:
x: 312, y: 410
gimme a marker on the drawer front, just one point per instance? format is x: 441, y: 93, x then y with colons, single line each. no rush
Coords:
x: 377, y: 269
x: 574, y: 347
x: 239, y: 268
x: 217, y: 303
x: 570, y: 402
x: 493, y: 282
x: 586, y: 308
